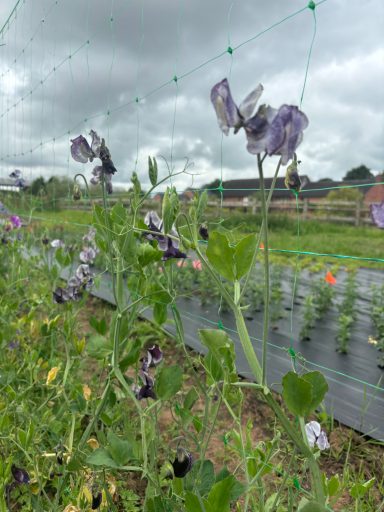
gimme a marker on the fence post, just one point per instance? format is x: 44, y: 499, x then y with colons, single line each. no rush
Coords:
x: 357, y: 213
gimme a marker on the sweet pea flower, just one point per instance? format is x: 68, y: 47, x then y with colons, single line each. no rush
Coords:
x: 56, y: 244
x: 87, y: 255
x: 169, y: 246
x: 377, y: 214
x: 16, y: 175
x: 196, y: 264
x: 15, y: 221
x: 270, y: 130
x: 20, y: 475
x: 83, y: 152
x: 182, y: 463
x: 316, y: 436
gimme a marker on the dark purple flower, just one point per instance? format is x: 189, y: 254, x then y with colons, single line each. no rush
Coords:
x: 147, y: 389
x: 377, y: 214
x: 154, y: 355
x: 203, y: 232
x: 83, y: 152
x: 60, y: 295
x: 172, y: 251
x: 96, y: 500
x: 20, y: 475
x: 182, y: 463
x: 45, y: 241
x: 276, y: 132
x: 17, y: 176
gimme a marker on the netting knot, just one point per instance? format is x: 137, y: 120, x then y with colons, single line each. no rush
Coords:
x: 311, y: 5
x: 137, y: 99
x: 296, y: 483
x: 220, y: 325
x: 292, y: 353
x: 175, y: 79
x: 229, y: 50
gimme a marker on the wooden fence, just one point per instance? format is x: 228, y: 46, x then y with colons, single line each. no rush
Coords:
x: 351, y: 212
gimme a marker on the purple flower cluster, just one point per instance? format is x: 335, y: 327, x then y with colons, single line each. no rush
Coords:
x: 169, y: 246
x: 82, y: 280
x: 153, y: 358
x: 19, y: 181
x: 83, y: 152
x: 90, y: 250
x: 270, y: 130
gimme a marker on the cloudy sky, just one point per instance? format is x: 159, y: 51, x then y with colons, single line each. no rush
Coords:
x: 84, y: 58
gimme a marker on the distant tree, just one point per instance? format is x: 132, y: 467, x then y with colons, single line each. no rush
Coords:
x: 358, y: 173
x: 214, y: 184
x: 38, y: 186
x: 345, y: 194
x: 325, y: 179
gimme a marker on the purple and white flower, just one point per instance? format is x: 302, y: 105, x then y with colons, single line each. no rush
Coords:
x: 83, y: 152
x: 316, y: 436
x: 270, y: 130
x: 377, y: 214
x: 169, y: 246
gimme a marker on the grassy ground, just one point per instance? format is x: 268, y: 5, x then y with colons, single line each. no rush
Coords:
x: 314, y: 236
x: 317, y: 236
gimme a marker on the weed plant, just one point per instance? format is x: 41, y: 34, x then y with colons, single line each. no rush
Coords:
x: 347, y: 313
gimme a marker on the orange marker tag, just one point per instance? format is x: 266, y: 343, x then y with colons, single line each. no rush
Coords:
x: 330, y: 278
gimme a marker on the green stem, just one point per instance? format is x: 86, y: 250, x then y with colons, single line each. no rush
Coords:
x: 266, y: 272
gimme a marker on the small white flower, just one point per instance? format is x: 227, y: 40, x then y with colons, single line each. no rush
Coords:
x: 56, y: 244
x: 316, y: 436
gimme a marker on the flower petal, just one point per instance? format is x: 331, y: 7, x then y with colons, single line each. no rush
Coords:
x: 155, y: 355
x: 81, y: 150
x: 377, y: 214
x: 322, y: 441
x: 95, y: 144
x: 182, y: 463
x: 247, y: 106
x: 226, y: 110
x: 294, y: 122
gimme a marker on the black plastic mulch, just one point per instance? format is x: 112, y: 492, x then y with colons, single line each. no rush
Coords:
x: 356, y: 392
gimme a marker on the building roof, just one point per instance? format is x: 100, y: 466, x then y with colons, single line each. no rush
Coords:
x: 312, y: 189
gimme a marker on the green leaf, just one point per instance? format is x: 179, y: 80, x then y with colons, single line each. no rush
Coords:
x: 319, y: 388
x: 170, y: 208
x: 201, y: 477
x: 297, y: 394
x: 160, y: 313
x: 190, y: 399
x: 99, y: 347
x: 100, y: 326
x: 136, y: 185
x: 192, y: 503
x: 152, y: 171
x: 169, y: 382
x: 147, y: 254
x: 359, y: 490
x: 201, y: 205
x: 100, y: 457
x: 119, y: 214
x: 221, y: 255
x: 333, y: 485
x: 120, y: 450
x: 222, y: 493
x: 244, y: 252
x: 313, y: 506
